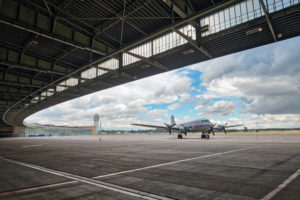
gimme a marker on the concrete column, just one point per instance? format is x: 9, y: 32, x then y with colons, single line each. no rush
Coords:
x: 19, y: 131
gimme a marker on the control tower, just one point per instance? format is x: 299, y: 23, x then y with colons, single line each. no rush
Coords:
x: 96, y: 121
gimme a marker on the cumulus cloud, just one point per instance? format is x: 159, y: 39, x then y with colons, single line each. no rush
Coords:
x: 265, y: 78
x: 120, y: 106
x: 185, y: 97
x: 256, y: 121
x: 221, y: 108
x: 173, y: 106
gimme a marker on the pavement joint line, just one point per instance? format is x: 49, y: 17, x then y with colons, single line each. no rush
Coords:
x: 116, y: 188
x: 173, y: 162
x: 280, y: 187
x: 113, y: 174
x: 37, y: 188
x: 34, y: 145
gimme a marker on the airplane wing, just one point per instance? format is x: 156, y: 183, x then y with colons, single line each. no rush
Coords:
x: 234, y: 126
x: 164, y: 128
x: 150, y: 126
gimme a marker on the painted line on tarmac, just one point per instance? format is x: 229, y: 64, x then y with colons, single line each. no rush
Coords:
x: 112, y: 187
x: 37, y: 188
x: 281, y: 186
x: 34, y: 145
x: 173, y: 162
x: 127, y: 171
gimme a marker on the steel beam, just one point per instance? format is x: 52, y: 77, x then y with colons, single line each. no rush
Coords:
x: 268, y: 19
x: 184, y: 9
x: 71, y: 15
x: 124, y: 74
x: 17, y: 83
x: 15, y: 93
x: 31, y: 54
x: 148, y: 60
x: 117, y: 21
x: 180, y: 7
x: 192, y: 42
x: 120, y: 17
x: 28, y: 67
x: 42, y: 28
x: 51, y: 37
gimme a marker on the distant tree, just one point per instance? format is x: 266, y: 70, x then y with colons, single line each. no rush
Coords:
x: 245, y: 129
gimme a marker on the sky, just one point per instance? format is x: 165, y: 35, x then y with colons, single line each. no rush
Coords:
x: 259, y: 87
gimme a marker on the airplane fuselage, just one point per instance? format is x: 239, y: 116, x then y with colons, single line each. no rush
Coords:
x: 201, y: 125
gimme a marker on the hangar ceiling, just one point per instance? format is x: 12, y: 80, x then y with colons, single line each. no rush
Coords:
x: 52, y: 51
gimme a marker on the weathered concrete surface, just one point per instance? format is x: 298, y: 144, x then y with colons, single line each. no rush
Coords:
x: 224, y: 167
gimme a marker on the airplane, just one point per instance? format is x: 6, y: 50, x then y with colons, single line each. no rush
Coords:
x: 200, y: 125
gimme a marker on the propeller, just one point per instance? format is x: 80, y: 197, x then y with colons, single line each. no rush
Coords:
x: 186, y: 129
x: 169, y: 127
x: 224, y: 128
x: 212, y: 129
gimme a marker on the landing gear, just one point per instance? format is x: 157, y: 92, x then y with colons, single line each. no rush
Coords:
x: 204, y: 136
x: 179, y: 136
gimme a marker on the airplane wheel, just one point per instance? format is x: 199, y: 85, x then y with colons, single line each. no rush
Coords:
x: 207, y: 136
x: 203, y: 136
x: 179, y: 136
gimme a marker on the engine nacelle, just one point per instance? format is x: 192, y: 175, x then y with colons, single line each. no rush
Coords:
x: 182, y: 129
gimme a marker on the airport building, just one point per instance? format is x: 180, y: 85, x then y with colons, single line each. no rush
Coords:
x: 35, y: 129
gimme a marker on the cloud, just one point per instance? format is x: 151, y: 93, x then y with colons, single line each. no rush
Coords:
x: 265, y: 81
x: 120, y: 106
x: 185, y: 97
x: 174, y: 106
x: 256, y: 121
x: 221, y: 108
x: 265, y: 78
x: 157, y: 112
x: 201, y: 102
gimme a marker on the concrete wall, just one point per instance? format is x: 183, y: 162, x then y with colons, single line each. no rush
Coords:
x: 19, y: 131
x: 6, y: 131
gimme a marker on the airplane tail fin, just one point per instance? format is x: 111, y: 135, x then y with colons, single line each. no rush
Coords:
x: 172, y: 121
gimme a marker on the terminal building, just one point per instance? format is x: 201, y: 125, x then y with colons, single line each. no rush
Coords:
x: 35, y: 129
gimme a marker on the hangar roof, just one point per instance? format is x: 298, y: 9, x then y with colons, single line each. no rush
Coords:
x: 52, y: 51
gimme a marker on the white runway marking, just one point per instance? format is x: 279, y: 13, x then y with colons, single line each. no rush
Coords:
x: 174, y: 162
x: 34, y: 145
x: 281, y: 186
x: 103, y: 184
x: 37, y: 188
x: 116, y: 188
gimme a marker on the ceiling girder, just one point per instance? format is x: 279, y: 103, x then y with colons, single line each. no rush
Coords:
x: 180, y: 7
x: 120, y: 17
x: 43, y: 28
x: 185, y: 9
x: 192, y: 42
x: 119, y: 20
x: 15, y: 93
x: 148, y: 60
x: 20, y: 84
x: 28, y: 67
x: 31, y: 63
x: 268, y: 19
x: 71, y: 15
x: 23, y: 75
x: 124, y: 74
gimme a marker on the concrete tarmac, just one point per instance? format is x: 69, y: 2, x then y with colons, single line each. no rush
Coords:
x: 151, y: 167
